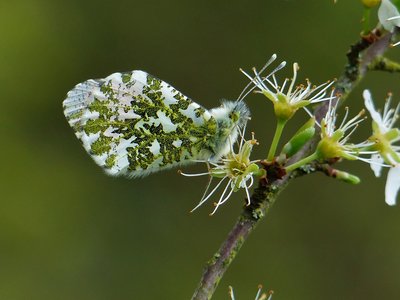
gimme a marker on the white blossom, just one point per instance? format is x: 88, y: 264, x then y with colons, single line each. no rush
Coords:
x: 236, y: 170
x: 385, y: 137
x: 335, y: 138
x: 388, y: 15
x: 259, y: 296
x: 288, y: 97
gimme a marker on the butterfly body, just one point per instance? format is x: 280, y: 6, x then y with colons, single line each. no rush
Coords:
x: 134, y: 124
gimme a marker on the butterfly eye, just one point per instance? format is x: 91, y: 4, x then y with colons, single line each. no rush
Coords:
x: 234, y: 116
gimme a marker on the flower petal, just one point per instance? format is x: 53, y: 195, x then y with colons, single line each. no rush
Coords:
x: 392, y: 185
x: 376, y: 164
x: 369, y: 104
x: 386, y: 11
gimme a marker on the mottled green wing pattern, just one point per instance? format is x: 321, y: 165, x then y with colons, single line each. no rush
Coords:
x: 134, y: 124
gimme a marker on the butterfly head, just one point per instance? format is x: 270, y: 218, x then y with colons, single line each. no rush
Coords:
x: 231, y: 117
x: 239, y: 114
x: 231, y: 114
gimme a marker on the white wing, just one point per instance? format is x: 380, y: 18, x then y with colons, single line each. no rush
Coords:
x: 134, y: 124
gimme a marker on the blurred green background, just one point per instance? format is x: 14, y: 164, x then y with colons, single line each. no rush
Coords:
x: 68, y: 231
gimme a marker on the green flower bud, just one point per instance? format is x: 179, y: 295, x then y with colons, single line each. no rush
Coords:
x: 283, y: 110
x: 301, y: 137
x: 329, y: 147
x: 346, y: 177
x: 370, y: 3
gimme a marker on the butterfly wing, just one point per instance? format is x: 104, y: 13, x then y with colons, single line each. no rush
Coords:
x: 134, y: 124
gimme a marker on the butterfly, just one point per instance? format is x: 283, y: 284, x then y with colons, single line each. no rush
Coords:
x: 134, y: 124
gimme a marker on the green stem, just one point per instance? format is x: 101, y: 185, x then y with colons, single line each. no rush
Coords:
x: 302, y: 162
x: 278, y: 132
x: 366, y: 18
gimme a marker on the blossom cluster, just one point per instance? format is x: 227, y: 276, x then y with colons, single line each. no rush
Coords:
x: 236, y: 171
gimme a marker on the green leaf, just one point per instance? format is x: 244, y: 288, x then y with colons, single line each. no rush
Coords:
x: 396, y: 3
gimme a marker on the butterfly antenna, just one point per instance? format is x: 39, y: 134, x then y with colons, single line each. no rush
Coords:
x: 242, y: 133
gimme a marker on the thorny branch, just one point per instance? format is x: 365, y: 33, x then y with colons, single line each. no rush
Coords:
x: 361, y: 57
